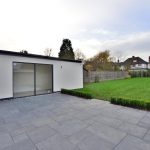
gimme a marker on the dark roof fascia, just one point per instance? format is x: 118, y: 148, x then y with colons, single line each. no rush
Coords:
x: 11, y: 53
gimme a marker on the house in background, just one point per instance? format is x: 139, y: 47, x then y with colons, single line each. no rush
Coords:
x: 134, y: 64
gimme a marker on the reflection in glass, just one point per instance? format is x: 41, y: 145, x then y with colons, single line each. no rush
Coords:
x: 23, y: 74
x: 43, y: 79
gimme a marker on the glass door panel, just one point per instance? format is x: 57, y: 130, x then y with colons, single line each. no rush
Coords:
x: 23, y: 79
x: 43, y: 79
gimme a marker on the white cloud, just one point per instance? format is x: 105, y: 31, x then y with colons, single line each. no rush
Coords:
x: 137, y: 44
x: 37, y: 24
x: 102, y: 32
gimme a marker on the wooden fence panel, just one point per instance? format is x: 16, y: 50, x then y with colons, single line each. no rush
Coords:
x: 95, y: 76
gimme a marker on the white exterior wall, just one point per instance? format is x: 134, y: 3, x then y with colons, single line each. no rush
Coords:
x: 67, y: 75
x: 122, y: 68
x: 139, y: 66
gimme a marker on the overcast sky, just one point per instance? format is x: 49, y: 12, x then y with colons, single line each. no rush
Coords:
x: 122, y: 26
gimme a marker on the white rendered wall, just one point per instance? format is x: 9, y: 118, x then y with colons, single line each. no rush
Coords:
x: 5, y: 78
x: 67, y: 75
x: 139, y: 66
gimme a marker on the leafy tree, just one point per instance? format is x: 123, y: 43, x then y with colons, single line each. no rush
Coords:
x: 79, y: 55
x: 48, y: 52
x: 88, y: 67
x: 101, y: 61
x: 24, y: 51
x: 66, y: 50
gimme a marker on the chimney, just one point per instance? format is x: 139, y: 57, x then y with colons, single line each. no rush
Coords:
x: 133, y: 57
x: 118, y: 61
x: 149, y: 60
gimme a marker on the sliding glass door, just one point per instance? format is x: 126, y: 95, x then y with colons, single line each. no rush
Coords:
x: 23, y: 75
x: 31, y: 79
x: 43, y: 79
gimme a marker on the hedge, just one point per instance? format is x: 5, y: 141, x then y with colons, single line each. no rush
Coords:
x: 76, y: 93
x: 131, y: 103
x: 141, y: 73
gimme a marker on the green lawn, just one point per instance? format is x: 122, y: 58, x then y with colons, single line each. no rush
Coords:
x: 134, y: 89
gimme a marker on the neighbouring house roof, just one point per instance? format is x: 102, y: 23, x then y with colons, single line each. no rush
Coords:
x: 11, y: 53
x: 134, y: 60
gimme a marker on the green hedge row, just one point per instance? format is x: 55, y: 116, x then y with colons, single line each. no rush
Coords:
x: 143, y: 73
x: 131, y: 103
x: 76, y: 93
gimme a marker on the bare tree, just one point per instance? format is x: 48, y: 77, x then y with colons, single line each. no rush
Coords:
x: 79, y: 55
x: 118, y: 56
x: 88, y: 67
x: 48, y: 52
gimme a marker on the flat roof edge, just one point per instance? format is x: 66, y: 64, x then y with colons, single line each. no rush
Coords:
x: 12, y: 53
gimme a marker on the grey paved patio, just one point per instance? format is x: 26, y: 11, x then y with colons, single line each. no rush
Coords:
x: 61, y: 122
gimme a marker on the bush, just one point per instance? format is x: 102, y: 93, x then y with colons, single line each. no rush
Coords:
x: 148, y: 105
x: 76, y: 93
x: 127, y: 77
x: 96, y: 78
x: 141, y: 73
x: 131, y: 103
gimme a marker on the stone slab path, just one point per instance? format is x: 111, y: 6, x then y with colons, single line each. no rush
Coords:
x: 62, y: 122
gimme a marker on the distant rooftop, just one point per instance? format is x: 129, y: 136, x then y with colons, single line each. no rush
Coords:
x: 134, y: 60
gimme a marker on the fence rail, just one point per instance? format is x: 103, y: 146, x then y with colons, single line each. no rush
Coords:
x: 95, y: 76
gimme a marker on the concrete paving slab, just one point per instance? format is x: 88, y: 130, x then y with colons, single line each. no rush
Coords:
x: 113, y: 122
x: 20, y: 137
x: 41, y: 133
x: 145, y: 122
x: 133, y: 143
x: 5, y: 140
x: 58, y: 121
x: 78, y: 137
x: 95, y: 143
x: 107, y: 133
x: 56, y: 142
x: 133, y: 130
x: 22, y: 145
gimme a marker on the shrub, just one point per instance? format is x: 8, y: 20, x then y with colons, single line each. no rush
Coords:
x: 148, y: 105
x: 96, y: 78
x: 131, y: 103
x: 76, y: 93
x: 148, y: 73
x: 145, y: 73
x: 127, y: 77
x: 141, y: 73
